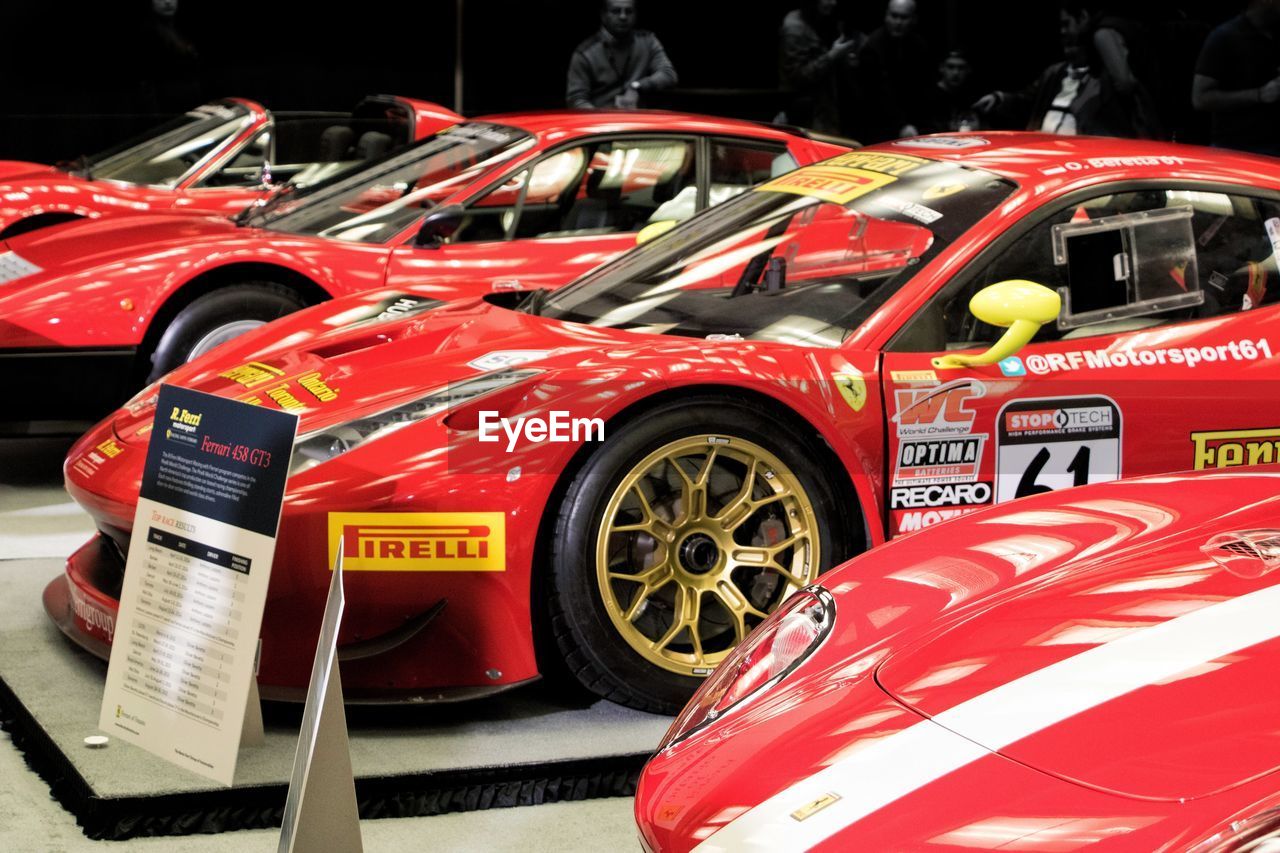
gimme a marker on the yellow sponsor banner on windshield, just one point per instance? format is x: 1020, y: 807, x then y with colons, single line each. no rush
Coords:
x: 875, y: 161
x: 839, y: 186
x: 842, y: 179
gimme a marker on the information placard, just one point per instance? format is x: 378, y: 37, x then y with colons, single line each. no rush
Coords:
x: 196, y: 578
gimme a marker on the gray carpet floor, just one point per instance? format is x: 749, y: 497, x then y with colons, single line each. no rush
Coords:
x: 39, y: 526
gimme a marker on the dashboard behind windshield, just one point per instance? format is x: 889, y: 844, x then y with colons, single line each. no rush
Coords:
x: 803, y: 259
x: 379, y: 201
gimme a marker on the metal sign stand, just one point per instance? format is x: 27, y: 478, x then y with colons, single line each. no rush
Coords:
x: 252, y: 733
x: 321, y: 812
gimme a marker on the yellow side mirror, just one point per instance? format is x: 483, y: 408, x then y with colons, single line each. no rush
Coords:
x: 654, y: 229
x: 1021, y: 307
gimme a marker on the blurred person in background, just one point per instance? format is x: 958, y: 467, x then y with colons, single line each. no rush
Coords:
x: 949, y: 106
x: 896, y: 62
x: 1237, y: 80
x: 1074, y: 96
x: 816, y: 59
x: 619, y: 65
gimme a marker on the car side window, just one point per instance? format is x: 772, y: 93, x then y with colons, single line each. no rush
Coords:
x: 1123, y: 262
x: 608, y: 187
x: 734, y: 168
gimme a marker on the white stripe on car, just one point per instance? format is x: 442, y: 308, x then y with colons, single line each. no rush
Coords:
x: 878, y: 772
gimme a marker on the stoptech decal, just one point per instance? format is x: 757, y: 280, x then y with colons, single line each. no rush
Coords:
x: 1233, y: 448
x: 1100, y: 359
x: 1043, y: 445
x: 952, y: 494
x: 937, y: 411
x: 419, y: 541
x: 939, y: 460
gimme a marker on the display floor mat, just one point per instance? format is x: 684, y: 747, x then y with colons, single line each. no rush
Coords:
x: 520, y: 748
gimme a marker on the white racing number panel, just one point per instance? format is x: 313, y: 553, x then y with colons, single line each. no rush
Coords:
x: 1044, y: 445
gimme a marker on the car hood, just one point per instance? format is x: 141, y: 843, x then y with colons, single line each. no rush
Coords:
x: 21, y: 168
x: 112, y: 239
x: 361, y: 362
x: 1142, y: 670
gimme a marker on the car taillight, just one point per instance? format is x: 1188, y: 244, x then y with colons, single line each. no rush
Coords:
x: 767, y: 655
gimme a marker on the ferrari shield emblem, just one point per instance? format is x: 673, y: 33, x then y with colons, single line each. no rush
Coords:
x: 853, y: 388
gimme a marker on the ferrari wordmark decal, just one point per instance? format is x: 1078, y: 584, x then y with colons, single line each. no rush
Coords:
x: 419, y: 541
x: 893, y: 767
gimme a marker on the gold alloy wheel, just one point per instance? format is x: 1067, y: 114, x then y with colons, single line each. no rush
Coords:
x: 699, y: 543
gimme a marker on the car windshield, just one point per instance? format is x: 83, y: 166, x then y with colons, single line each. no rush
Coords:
x: 803, y: 259
x: 165, y: 155
x: 381, y: 200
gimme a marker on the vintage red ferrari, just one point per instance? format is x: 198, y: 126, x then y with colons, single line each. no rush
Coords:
x: 515, y: 202
x: 216, y: 158
x: 850, y: 351
x: 1090, y: 670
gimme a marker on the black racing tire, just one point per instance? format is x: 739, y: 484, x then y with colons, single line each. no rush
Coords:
x: 218, y: 314
x: 598, y: 649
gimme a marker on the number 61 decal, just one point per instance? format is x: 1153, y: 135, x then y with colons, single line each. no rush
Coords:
x: 1043, y: 445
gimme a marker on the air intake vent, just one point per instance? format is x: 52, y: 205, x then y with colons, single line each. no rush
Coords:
x: 1247, y: 553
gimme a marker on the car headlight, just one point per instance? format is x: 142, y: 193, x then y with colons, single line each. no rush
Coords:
x: 320, y: 446
x: 773, y: 650
x: 13, y: 267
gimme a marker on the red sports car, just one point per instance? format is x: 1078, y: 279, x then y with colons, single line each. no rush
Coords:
x: 216, y: 158
x: 1092, y: 670
x: 781, y: 382
x: 524, y: 201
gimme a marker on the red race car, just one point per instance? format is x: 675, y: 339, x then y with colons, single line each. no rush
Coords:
x: 216, y: 158
x: 780, y: 383
x: 1091, y: 670
x: 525, y: 200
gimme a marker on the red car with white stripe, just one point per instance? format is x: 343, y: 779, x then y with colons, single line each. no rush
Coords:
x: 1091, y: 669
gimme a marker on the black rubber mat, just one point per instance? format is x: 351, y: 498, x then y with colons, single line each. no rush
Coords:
x: 255, y: 807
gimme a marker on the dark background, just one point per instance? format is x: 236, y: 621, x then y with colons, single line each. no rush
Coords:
x: 77, y: 78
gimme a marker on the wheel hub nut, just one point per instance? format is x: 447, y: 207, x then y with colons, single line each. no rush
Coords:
x: 699, y: 554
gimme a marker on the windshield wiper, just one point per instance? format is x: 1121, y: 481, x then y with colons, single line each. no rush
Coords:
x: 774, y: 269
x: 774, y: 280
x: 532, y: 304
x: 81, y: 167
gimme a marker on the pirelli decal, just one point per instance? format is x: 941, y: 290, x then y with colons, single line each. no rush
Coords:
x: 419, y: 541
x: 844, y: 178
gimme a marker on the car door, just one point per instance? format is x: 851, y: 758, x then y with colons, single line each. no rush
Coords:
x: 1159, y: 359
